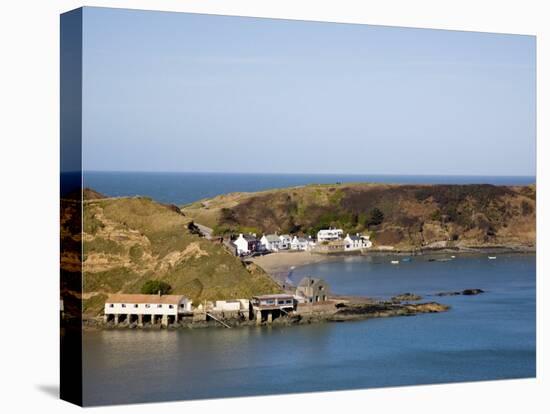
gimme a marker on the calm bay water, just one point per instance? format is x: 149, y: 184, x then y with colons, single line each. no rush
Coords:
x: 484, y: 337
x: 183, y: 188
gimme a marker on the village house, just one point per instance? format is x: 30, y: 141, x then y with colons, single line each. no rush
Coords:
x: 130, y: 308
x: 285, y: 241
x: 247, y: 244
x: 312, y: 290
x: 325, y: 235
x: 271, y: 242
x: 357, y: 242
x: 302, y: 243
x: 271, y: 306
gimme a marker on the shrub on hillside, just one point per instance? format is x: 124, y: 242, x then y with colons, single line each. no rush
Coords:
x: 375, y: 217
x: 152, y: 287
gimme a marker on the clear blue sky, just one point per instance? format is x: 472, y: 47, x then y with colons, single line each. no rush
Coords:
x: 183, y: 92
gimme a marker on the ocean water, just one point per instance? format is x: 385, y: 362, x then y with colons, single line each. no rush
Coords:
x: 183, y: 188
x: 485, y: 337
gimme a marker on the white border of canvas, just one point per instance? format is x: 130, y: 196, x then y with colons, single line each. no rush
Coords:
x: 29, y: 232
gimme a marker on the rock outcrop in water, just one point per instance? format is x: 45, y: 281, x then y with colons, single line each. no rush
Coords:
x: 406, y: 297
x: 466, y: 292
x: 385, y: 309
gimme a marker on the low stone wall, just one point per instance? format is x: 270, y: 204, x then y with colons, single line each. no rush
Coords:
x: 316, y: 308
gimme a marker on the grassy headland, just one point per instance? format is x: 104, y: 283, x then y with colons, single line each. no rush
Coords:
x: 127, y: 241
x: 407, y: 217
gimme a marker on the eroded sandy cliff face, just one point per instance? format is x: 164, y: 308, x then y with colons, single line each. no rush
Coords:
x: 127, y: 241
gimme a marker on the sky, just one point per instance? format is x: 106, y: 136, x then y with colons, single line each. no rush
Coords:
x: 187, y: 92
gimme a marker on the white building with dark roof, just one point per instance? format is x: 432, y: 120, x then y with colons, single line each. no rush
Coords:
x: 357, y: 242
x: 285, y: 241
x: 268, y: 307
x: 302, y: 243
x: 247, y: 244
x: 271, y: 242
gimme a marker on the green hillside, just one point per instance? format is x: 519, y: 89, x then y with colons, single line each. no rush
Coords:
x: 403, y: 216
x: 128, y: 241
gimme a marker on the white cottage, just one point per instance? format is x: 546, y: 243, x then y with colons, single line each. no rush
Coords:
x: 246, y: 244
x: 302, y: 243
x: 329, y: 234
x: 131, y: 308
x: 357, y: 242
x: 271, y: 242
x: 285, y: 241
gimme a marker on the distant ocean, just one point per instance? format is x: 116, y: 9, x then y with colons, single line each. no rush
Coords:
x: 182, y: 188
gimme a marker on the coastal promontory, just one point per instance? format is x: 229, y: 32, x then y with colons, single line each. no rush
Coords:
x: 401, y: 217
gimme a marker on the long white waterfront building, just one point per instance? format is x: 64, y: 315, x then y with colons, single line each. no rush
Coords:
x: 139, y: 308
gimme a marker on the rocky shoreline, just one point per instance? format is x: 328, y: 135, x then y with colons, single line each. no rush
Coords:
x: 338, y: 310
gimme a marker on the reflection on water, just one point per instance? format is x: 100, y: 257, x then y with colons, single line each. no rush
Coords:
x: 490, y: 336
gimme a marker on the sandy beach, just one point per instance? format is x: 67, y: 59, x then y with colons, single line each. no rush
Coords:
x: 278, y: 265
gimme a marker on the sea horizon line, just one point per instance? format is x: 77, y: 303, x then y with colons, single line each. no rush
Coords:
x: 311, y: 173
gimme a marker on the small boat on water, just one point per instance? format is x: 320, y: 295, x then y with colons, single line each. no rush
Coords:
x: 491, y: 257
x: 406, y: 259
x: 395, y: 262
x: 453, y: 257
x: 445, y: 259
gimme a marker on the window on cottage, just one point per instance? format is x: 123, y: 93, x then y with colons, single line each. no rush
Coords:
x: 159, y: 306
x: 123, y: 305
x: 136, y: 305
x: 147, y: 305
x: 111, y: 305
x: 171, y: 306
